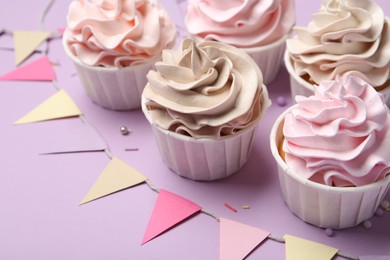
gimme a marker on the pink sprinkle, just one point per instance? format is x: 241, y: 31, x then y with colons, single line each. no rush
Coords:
x: 230, y: 207
x: 131, y: 149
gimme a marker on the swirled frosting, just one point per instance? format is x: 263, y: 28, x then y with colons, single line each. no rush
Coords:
x: 339, y: 136
x: 245, y: 24
x: 205, y: 90
x: 118, y: 33
x: 344, y: 37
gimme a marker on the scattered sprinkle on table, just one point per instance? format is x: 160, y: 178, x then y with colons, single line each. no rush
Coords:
x: 230, y: 207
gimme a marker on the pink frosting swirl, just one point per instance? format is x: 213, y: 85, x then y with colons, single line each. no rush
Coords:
x: 249, y: 23
x: 118, y: 33
x: 339, y: 136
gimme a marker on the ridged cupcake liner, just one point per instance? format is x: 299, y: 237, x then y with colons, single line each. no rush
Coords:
x: 205, y: 159
x: 269, y: 58
x: 299, y: 86
x: 321, y: 205
x: 112, y: 88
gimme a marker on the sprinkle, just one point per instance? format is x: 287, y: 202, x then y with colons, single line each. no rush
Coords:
x: 281, y: 101
x: 329, y: 232
x: 379, y: 212
x: 385, y: 204
x: 131, y: 149
x: 230, y: 207
x: 367, y: 224
x: 246, y: 207
x: 124, y: 130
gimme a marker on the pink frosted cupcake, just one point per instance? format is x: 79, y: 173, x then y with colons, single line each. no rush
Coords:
x: 113, y: 44
x: 258, y: 27
x: 332, y: 153
x: 343, y: 38
x: 204, y: 102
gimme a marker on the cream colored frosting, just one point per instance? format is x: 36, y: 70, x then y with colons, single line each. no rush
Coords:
x: 205, y: 90
x: 118, y: 33
x: 249, y: 23
x: 344, y: 37
x: 340, y: 136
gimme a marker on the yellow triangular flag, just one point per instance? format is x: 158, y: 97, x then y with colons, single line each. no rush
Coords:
x: 117, y: 176
x: 60, y: 105
x: 25, y: 43
x: 302, y: 249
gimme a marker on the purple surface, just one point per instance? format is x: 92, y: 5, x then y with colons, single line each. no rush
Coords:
x: 39, y: 194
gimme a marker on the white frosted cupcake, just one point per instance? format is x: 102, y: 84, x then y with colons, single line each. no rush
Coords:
x: 343, y: 38
x: 113, y: 44
x: 204, y: 102
x: 332, y: 153
x: 258, y: 27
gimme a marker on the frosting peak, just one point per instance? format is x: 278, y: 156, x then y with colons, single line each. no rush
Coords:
x: 205, y: 90
x: 344, y: 37
x: 118, y: 32
x: 340, y: 135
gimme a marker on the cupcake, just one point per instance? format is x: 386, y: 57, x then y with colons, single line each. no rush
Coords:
x: 204, y: 102
x: 332, y: 153
x: 260, y: 28
x: 343, y: 38
x: 113, y: 44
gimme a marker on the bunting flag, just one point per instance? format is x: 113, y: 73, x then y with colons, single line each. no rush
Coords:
x: 38, y: 70
x: 169, y: 210
x: 60, y: 105
x: 302, y: 249
x: 117, y: 176
x: 237, y: 240
x: 25, y: 43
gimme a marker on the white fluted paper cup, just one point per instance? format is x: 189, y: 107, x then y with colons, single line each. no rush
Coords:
x: 268, y: 58
x: 112, y: 88
x: 299, y: 86
x: 322, y: 205
x: 205, y: 159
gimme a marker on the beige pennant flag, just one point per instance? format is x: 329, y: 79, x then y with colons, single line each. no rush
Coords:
x: 25, y: 43
x: 117, y: 176
x: 302, y: 249
x: 59, y: 105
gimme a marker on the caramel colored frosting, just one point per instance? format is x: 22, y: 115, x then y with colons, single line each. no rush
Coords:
x: 118, y: 33
x: 340, y: 136
x: 344, y: 37
x: 205, y: 90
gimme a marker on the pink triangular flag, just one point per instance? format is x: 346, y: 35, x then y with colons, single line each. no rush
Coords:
x: 301, y: 249
x: 237, y: 240
x: 25, y: 43
x: 169, y: 210
x: 38, y: 70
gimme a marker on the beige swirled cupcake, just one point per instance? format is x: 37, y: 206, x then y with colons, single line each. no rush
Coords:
x: 331, y: 149
x: 260, y: 28
x: 204, y: 102
x: 344, y: 37
x: 113, y: 44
